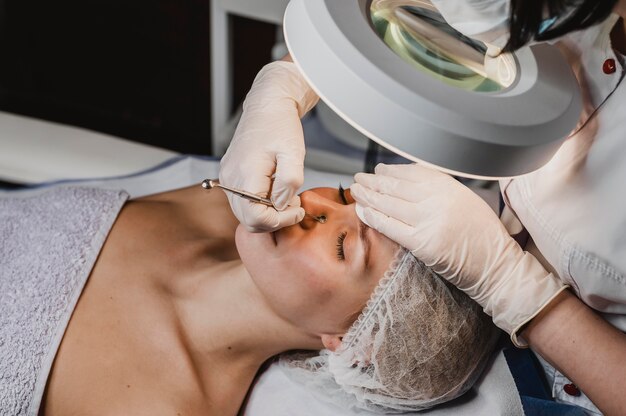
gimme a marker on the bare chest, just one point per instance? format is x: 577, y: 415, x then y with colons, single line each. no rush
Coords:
x: 122, y: 352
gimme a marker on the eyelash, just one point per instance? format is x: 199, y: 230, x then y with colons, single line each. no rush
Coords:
x: 342, y: 195
x: 340, y: 254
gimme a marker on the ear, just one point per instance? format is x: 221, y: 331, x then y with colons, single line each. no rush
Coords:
x: 332, y: 342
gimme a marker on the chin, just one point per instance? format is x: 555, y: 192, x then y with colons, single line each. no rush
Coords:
x: 253, y: 248
x: 242, y: 241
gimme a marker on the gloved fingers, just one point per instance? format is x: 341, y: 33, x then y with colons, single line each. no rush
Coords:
x: 258, y: 218
x: 399, y: 188
x: 412, y: 172
x: 288, y: 179
x: 266, y: 155
x: 407, y: 212
x: 394, y: 229
x: 289, y: 217
x: 258, y: 180
x: 294, y: 201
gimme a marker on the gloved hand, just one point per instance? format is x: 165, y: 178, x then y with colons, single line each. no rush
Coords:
x: 458, y: 235
x: 269, y: 142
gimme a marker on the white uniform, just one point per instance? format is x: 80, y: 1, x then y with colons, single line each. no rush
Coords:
x: 574, y: 208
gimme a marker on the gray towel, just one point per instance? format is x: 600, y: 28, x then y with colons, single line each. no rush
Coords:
x: 49, y: 242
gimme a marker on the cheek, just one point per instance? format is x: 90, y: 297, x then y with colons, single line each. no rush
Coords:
x: 258, y: 254
x: 319, y: 279
x: 305, y: 277
x: 313, y: 267
x: 296, y: 281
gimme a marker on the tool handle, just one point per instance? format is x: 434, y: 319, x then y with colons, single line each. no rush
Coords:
x: 214, y: 183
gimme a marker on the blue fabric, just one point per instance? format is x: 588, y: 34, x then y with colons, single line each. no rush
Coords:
x: 532, y: 387
x: 162, y: 165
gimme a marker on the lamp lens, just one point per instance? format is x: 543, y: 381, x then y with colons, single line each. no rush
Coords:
x: 416, y: 31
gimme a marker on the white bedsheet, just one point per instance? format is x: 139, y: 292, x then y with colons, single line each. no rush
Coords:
x: 494, y: 394
x: 34, y: 150
x: 274, y: 394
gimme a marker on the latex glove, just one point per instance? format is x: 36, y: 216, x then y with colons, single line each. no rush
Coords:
x: 269, y: 141
x: 453, y: 231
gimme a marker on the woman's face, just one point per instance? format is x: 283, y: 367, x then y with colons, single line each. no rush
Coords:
x: 318, y: 275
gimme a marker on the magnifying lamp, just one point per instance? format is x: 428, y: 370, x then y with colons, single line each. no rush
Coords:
x: 398, y: 73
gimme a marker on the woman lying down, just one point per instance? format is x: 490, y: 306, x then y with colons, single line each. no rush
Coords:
x: 163, y: 305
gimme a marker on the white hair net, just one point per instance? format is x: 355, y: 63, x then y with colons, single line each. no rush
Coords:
x: 418, y: 342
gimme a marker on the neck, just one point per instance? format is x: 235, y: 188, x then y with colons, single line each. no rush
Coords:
x: 220, y: 321
x: 228, y: 327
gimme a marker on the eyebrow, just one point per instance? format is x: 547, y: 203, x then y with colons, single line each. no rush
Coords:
x: 366, y: 243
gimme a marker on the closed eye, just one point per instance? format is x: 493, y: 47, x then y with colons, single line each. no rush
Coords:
x: 340, y: 253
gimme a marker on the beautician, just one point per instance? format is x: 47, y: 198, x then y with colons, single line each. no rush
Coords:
x: 565, y: 296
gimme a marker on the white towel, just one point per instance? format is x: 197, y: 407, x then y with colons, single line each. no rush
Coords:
x: 49, y: 242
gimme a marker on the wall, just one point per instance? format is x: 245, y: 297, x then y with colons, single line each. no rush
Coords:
x: 136, y: 69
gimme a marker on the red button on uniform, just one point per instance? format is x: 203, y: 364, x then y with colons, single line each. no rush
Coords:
x: 571, y: 389
x: 609, y: 66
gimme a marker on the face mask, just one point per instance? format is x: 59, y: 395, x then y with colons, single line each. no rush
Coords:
x: 483, y: 20
x: 488, y: 20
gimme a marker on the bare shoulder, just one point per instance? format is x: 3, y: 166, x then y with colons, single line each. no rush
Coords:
x: 122, y: 352
x: 208, y: 210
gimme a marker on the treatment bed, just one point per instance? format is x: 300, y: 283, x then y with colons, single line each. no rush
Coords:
x: 40, y: 154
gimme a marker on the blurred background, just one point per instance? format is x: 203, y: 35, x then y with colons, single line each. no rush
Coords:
x: 136, y: 69
x: 98, y: 88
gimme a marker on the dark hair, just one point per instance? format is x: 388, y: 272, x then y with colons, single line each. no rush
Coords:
x: 528, y: 18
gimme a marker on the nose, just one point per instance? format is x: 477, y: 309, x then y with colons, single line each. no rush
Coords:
x: 316, y: 206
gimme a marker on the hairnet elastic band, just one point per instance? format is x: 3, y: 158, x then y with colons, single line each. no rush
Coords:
x: 375, y: 300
